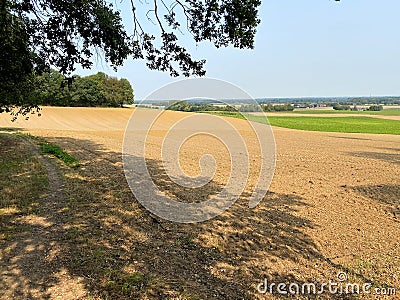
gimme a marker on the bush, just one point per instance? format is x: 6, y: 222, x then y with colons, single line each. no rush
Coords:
x: 375, y: 108
x: 337, y: 106
x: 284, y: 107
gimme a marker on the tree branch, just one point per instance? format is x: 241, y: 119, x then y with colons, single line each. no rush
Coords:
x: 156, y: 14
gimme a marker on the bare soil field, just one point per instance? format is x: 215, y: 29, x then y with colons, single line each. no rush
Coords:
x: 333, y: 206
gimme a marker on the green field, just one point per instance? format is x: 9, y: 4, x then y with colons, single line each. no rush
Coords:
x: 331, y: 124
x: 339, y: 124
x: 385, y: 112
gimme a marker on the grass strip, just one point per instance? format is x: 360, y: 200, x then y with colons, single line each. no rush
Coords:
x: 57, y: 151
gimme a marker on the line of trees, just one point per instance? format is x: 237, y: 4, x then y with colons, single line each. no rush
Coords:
x: 279, y: 107
x: 250, y: 108
x: 194, y: 107
x: 337, y: 106
x: 93, y: 90
x: 377, y: 100
x: 375, y: 108
x: 330, y: 101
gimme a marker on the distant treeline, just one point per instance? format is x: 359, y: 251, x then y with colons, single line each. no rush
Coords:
x: 337, y: 106
x: 94, y: 90
x: 375, y: 100
x: 195, y: 107
x: 303, y: 102
x: 395, y: 100
x: 280, y: 107
x: 265, y: 107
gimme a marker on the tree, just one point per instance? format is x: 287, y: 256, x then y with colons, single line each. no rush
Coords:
x: 85, y: 92
x: 250, y: 108
x: 51, y: 90
x: 127, y: 96
x: 38, y: 34
x: 93, y: 90
x: 113, y: 92
x: 280, y: 107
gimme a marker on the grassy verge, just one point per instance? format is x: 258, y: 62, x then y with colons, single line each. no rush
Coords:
x: 232, y: 114
x: 57, y: 151
x: 332, y: 124
x: 54, y: 150
x: 23, y: 179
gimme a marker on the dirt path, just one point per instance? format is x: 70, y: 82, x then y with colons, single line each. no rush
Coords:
x: 33, y: 268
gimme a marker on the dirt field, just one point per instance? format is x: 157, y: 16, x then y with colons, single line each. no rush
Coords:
x: 333, y: 206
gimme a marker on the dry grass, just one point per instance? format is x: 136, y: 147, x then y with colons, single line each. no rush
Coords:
x: 23, y: 180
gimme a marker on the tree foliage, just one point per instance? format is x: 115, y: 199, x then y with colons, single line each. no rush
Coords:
x: 250, y: 108
x: 195, y: 107
x: 337, y: 106
x: 38, y: 34
x: 375, y: 108
x: 93, y: 90
x: 279, y: 107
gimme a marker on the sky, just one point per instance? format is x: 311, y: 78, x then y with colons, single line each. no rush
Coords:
x: 303, y: 48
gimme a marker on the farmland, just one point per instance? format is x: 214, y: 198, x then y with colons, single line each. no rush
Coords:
x: 332, y: 207
x: 329, y: 123
x: 339, y: 124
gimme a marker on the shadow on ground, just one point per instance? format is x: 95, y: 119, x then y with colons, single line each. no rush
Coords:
x: 10, y: 129
x: 349, y: 138
x: 26, y: 232
x: 393, y: 158
x: 389, y: 195
x: 104, y: 241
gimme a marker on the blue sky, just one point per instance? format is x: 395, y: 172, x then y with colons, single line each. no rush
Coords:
x: 303, y: 48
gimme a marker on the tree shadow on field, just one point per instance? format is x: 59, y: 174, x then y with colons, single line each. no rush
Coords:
x: 350, y: 138
x: 387, y: 194
x: 393, y: 158
x: 10, y: 129
x: 120, y: 251
x: 25, y: 263
x: 392, y: 149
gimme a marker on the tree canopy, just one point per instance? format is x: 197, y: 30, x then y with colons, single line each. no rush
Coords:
x: 93, y: 90
x: 38, y: 34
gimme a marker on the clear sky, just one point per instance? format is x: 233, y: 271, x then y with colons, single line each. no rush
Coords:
x: 303, y: 48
